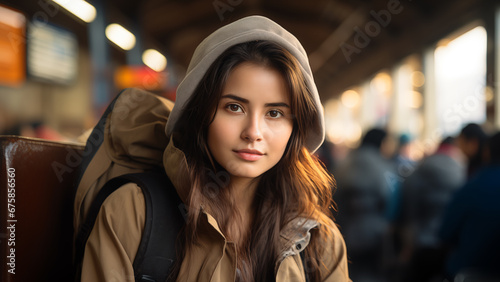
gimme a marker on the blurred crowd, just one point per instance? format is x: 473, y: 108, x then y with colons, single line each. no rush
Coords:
x: 436, y: 219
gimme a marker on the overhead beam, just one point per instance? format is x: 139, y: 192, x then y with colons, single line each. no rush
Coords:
x: 415, y: 38
x: 332, y: 43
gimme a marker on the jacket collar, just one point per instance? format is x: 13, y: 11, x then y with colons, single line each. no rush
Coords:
x: 296, y: 236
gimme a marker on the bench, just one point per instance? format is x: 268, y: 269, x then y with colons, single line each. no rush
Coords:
x: 36, y: 216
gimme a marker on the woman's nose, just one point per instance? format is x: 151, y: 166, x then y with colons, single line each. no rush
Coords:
x: 252, y: 131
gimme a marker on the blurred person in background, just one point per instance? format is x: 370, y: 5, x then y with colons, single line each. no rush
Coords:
x: 35, y: 129
x: 401, y: 157
x: 403, y: 166
x: 471, y: 224
x: 471, y: 141
x: 425, y: 194
x: 362, y: 195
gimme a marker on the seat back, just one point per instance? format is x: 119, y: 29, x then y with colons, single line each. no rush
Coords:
x: 36, y: 195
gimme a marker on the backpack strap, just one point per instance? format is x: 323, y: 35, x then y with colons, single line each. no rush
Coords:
x: 165, y: 215
x: 164, y: 219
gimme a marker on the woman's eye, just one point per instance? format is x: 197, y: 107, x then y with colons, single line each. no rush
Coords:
x: 275, y: 114
x: 234, y: 108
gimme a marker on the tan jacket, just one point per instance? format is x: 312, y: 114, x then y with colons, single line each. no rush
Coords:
x: 113, y: 243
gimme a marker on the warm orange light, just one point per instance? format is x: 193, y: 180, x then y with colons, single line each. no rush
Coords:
x: 350, y: 98
x: 140, y: 76
x: 12, y: 47
x: 82, y: 9
x: 417, y: 78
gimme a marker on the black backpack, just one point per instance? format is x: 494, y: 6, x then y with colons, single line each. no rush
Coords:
x: 164, y: 214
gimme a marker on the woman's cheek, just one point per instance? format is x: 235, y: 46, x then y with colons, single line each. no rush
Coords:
x: 281, y: 127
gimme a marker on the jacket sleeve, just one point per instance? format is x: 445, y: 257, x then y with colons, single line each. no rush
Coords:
x: 334, y: 259
x: 115, y: 238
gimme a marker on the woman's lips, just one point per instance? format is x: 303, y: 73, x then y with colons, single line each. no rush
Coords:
x: 249, y: 154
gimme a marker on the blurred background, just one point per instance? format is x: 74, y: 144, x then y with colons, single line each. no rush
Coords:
x: 395, y: 75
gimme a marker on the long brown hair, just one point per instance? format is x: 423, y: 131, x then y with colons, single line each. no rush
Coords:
x: 297, y: 186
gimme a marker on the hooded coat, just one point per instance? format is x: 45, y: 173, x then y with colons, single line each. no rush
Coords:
x: 138, y: 137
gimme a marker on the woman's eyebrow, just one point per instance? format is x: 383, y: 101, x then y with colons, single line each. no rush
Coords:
x: 237, y: 98
x: 277, y: 105
x: 245, y: 101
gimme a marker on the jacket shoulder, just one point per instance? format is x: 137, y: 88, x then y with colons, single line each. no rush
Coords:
x: 123, y: 215
x: 334, y: 257
x: 115, y: 238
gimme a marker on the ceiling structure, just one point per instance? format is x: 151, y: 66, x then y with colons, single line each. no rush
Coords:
x: 347, y: 40
x: 326, y: 28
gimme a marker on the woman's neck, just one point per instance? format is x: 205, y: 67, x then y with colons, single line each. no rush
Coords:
x: 243, y: 191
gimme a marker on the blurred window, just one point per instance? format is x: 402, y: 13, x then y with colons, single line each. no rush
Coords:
x: 342, y: 119
x: 381, y: 90
x: 460, y: 79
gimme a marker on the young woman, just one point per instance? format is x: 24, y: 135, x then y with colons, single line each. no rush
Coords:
x: 246, y: 121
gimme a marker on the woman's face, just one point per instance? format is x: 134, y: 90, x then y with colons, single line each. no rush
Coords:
x: 253, y: 123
